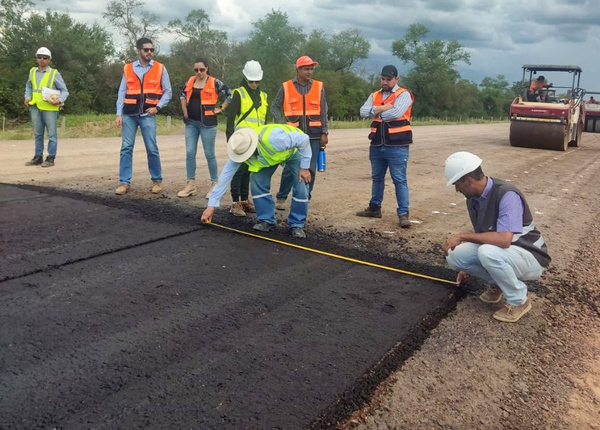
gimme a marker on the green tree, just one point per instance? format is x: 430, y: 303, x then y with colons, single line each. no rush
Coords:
x: 275, y: 44
x: 434, y: 75
x: 495, y: 96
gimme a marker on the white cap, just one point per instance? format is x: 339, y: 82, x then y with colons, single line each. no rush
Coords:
x: 252, y: 71
x: 460, y: 164
x: 43, y: 51
x: 242, y: 144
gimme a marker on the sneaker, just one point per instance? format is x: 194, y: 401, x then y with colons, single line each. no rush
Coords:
x: 237, y: 209
x: 248, y: 206
x: 122, y: 189
x: 492, y: 294
x: 262, y: 226
x: 404, y: 220
x: 512, y: 314
x: 280, y: 205
x: 156, y: 187
x: 49, y: 162
x: 370, y: 212
x: 35, y: 161
x: 212, y: 185
x: 298, y: 232
x: 189, y: 190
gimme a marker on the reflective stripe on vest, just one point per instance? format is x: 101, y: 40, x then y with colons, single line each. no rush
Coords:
x: 256, y: 117
x: 145, y: 93
x: 208, y: 97
x: 303, y: 110
x: 392, y: 128
x: 266, y: 150
x: 36, y: 91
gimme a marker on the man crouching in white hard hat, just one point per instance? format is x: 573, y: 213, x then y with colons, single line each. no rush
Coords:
x: 506, y: 247
x: 263, y: 149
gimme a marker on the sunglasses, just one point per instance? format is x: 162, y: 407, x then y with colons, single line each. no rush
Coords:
x: 43, y: 57
x: 254, y: 82
x: 148, y: 49
x: 201, y: 69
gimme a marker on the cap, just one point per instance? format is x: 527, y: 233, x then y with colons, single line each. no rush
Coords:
x: 390, y: 71
x: 304, y: 61
x: 44, y: 51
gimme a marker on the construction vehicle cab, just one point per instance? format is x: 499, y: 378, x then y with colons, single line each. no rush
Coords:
x: 548, y: 122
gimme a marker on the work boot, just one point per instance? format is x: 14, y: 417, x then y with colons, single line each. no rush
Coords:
x: 35, y: 161
x: 122, y: 189
x: 512, y: 314
x: 492, y: 294
x: 370, y: 212
x: 262, y: 226
x: 298, y: 233
x: 280, y: 205
x: 248, y: 206
x: 212, y: 185
x: 189, y: 190
x: 156, y: 187
x: 237, y: 209
x: 404, y: 220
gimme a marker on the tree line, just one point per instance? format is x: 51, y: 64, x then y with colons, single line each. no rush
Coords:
x: 91, y: 62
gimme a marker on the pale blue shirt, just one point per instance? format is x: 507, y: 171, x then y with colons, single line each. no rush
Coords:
x: 510, y: 209
x: 281, y: 140
x: 140, y: 71
x: 401, y: 105
x: 59, y: 84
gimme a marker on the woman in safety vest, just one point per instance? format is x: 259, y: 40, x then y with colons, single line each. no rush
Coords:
x: 199, y: 98
x: 248, y: 108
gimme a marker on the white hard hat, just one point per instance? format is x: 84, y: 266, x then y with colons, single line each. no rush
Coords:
x: 459, y: 164
x: 252, y: 71
x: 44, y: 51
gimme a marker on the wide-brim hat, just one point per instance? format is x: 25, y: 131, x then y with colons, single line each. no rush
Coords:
x: 242, y: 144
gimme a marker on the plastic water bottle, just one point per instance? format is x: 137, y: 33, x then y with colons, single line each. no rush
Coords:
x: 322, y: 161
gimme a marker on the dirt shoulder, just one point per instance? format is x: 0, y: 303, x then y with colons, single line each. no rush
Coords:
x: 472, y: 372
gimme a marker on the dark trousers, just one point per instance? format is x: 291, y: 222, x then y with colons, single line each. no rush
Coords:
x: 240, y: 184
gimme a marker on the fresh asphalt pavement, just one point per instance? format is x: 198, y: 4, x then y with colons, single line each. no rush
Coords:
x: 112, y: 317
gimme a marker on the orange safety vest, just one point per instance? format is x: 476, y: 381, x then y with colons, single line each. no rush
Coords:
x: 208, y: 99
x: 536, y: 86
x: 396, y: 131
x: 145, y: 93
x: 303, y: 111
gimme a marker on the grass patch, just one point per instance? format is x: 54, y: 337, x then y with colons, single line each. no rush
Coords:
x: 103, y: 125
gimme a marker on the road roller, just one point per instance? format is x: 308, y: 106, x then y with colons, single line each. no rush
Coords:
x: 540, y: 119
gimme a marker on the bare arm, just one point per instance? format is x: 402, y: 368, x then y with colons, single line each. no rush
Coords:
x: 499, y: 239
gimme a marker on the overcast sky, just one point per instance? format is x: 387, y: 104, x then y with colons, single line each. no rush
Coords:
x: 500, y: 35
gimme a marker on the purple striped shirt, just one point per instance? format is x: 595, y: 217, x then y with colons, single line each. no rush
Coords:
x: 510, y: 216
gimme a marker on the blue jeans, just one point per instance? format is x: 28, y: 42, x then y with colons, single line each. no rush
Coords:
x: 147, y: 125
x: 44, y: 119
x: 288, y: 178
x: 506, y: 267
x: 193, y: 131
x: 260, y: 184
x: 396, y: 158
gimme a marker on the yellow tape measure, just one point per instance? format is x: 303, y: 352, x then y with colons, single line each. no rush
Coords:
x: 340, y: 257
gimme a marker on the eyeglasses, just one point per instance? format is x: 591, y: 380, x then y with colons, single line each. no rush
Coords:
x: 43, y: 57
x: 254, y: 82
x: 148, y: 49
x: 201, y: 69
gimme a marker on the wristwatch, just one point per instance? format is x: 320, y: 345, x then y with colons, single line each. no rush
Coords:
x: 157, y: 108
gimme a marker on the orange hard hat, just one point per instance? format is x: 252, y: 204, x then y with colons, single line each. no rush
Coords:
x: 304, y: 61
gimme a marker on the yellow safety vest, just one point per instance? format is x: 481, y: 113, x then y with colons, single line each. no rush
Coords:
x: 36, y: 92
x: 256, y: 117
x: 266, y: 150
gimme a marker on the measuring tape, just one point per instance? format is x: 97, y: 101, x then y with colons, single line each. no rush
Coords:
x: 339, y: 257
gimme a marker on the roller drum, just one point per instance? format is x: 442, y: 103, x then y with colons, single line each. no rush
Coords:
x: 539, y: 135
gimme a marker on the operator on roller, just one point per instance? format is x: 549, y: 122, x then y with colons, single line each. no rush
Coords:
x: 506, y: 248
x: 536, y: 90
